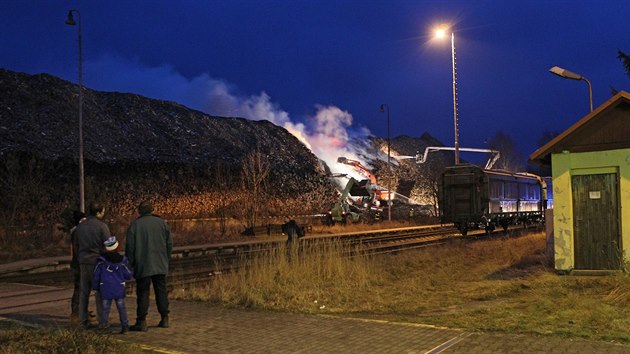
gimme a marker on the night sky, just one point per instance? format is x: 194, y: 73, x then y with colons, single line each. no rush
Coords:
x: 323, y: 68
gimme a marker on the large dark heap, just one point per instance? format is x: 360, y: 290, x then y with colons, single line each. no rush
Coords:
x: 134, y: 148
x: 39, y: 114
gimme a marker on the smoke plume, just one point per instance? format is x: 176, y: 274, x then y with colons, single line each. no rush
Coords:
x: 327, y: 133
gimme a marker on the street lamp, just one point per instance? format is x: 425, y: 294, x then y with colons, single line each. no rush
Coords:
x: 441, y: 33
x: 70, y: 21
x: 389, y: 166
x: 573, y: 76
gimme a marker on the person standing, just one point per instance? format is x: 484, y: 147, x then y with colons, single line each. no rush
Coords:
x: 292, y: 229
x: 110, y: 274
x: 77, y: 218
x: 89, y: 238
x: 148, y: 248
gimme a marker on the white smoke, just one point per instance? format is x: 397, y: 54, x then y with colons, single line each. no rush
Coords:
x: 330, y: 139
x: 327, y: 133
x: 224, y: 103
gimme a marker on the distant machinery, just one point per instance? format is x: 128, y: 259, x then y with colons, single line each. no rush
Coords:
x: 381, y: 193
x: 422, y: 158
x: 356, y: 203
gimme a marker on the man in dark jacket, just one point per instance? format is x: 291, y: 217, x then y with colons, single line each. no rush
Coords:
x: 149, y: 247
x: 88, y: 241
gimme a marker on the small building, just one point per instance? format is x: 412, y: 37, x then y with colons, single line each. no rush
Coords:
x: 590, y: 165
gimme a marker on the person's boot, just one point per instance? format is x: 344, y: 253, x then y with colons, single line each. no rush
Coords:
x: 140, y: 326
x: 164, y: 322
x: 103, y: 328
x: 124, y: 328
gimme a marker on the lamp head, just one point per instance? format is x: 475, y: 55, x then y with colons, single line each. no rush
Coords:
x: 443, y: 30
x: 382, y: 108
x: 440, y: 33
x: 565, y: 73
x: 70, y: 20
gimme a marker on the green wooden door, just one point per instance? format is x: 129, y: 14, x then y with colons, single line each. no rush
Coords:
x: 596, y: 221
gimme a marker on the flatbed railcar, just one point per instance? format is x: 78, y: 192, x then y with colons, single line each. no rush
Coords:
x: 471, y: 197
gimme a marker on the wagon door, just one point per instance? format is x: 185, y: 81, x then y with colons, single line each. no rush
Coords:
x: 596, y: 221
x: 460, y: 197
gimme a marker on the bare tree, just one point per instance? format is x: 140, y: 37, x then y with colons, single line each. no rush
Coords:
x: 625, y: 60
x: 546, y: 137
x: 255, y: 171
x: 427, y: 177
x: 23, y: 191
x: 222, y: 184
x: 511, y: 158
x: 432, y: 176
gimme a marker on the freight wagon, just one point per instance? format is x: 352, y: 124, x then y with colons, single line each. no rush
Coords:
x: 474, y: 198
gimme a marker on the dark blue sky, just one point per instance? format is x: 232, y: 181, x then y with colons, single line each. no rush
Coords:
x: 310, y: 65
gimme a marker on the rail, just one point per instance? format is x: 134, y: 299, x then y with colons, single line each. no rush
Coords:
x: 192, y: 264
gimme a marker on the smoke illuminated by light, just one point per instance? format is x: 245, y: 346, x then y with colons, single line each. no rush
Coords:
x: 327, y: 133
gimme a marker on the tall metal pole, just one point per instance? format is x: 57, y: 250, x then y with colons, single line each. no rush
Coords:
x: 455, y: 100
x: 70, y: 21
x: 590, y: 91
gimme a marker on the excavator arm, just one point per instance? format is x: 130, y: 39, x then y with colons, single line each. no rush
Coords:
x: 361, y: 169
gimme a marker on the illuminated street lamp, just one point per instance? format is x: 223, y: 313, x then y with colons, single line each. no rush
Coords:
x: 573, y: 76
x: 441, y: 33
x: 70, y: 21
x: 389, y: 166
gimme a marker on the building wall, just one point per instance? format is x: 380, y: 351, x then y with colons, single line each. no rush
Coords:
x: 565, y: 165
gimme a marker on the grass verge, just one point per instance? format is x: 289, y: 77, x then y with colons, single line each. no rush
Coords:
x: 490, y: 285
x: 21, y: 339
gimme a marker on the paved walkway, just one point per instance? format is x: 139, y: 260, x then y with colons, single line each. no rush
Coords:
x: 201, y: 328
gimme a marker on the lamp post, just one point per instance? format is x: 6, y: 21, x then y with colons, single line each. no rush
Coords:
x: 389, y: 166
x: 573, y: 76
x: 70, y: 21
x: 440, y: 33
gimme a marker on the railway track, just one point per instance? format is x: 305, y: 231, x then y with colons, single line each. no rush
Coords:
x: 190, y: 265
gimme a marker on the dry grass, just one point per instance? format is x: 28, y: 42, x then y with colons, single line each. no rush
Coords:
x: 497, y: 285
x: 290, y: 281
x: 19, y: 339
